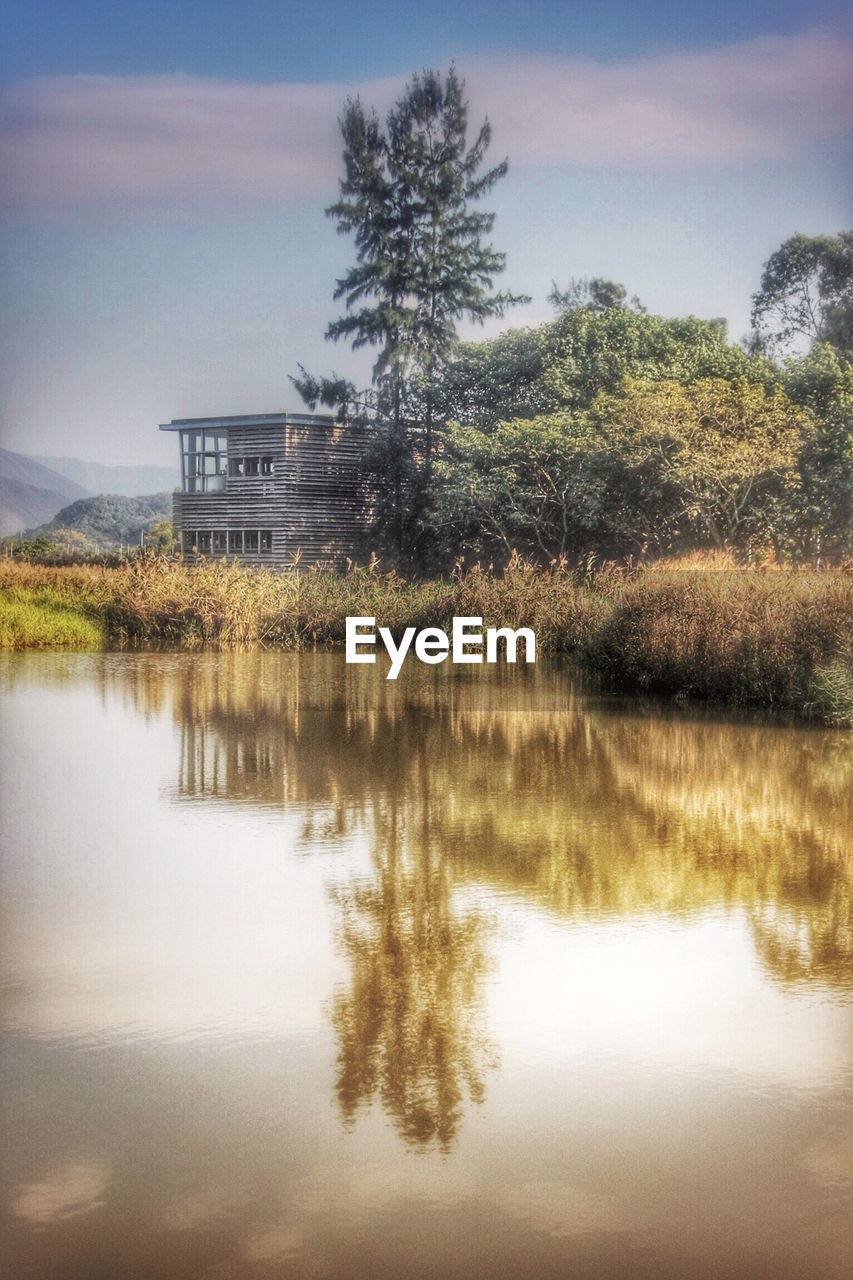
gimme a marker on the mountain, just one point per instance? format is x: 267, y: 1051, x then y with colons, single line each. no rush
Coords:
x: 31, y: 492
x: 132, y: 482
x: 109, y: 519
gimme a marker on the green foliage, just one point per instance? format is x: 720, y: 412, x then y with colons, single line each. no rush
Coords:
x: 821, y: 509
x: 42, y: 617
x: 630, y: 433
x: 105, y: 521
x: 39, y: 547
x: 408, y: 200
x: 725, y: 450
x: 806, y: 293
x: 607, y: 429
x: 539, y: 486
x: 594, y: 294
x: 484, y: 383
x: 565, y: 364
x: 160, y: 537
x: 655, y: 465
x: 822, y: 380
x: 587, y: 353
x: 73, y: 542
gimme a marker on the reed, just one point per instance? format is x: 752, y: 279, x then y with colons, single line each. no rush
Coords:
x: 777, y: 639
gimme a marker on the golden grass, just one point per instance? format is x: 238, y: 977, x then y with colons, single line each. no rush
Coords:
x: 774, y: 639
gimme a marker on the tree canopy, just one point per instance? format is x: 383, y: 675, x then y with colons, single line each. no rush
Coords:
x: 595, y: 293
x: 655, y: 466
x: 806, y: 293
x: 606, y: 429
x: 407, y: 199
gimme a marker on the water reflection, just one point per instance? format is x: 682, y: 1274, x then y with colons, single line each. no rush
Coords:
x: 531, y: 789
x: 587, y: 806
x: 589, y: 959
x: 77, y: 1187
x: 409, y: 1026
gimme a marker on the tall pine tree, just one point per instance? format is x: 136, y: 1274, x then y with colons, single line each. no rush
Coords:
x: 422, y: 261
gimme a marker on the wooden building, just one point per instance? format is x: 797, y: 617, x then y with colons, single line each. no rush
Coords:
x: 271, y: 488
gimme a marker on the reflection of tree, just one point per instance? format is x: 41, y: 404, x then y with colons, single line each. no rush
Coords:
x: 585, y: 809
x: 407, y: 1025
x: 812, y: 940
x: 582, y: 807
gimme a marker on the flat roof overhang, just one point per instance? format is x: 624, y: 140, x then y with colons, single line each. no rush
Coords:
x: 251, y: 420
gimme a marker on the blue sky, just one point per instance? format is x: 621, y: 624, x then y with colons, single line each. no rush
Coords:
x: 164, y: 250
x: 334, y: 39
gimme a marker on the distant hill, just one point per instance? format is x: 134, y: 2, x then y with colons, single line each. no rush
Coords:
x: 31, y: 492
x: 132, y: 482
x: 109, y: 519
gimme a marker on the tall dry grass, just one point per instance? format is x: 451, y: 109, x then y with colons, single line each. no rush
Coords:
x: 777, y: 639
x: 780, y: 640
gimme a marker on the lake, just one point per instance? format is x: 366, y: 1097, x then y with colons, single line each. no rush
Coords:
x: 309, y: 974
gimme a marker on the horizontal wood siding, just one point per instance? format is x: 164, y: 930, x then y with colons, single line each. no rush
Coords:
x: 315, y: 502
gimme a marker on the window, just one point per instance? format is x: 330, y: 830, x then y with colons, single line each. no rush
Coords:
x: 205, y: 461
x: 233, y: 542
x: 250, y: 466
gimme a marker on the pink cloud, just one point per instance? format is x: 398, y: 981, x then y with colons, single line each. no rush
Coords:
x: 765, y: 98
x: 206, y: 147
x: 165, y: 140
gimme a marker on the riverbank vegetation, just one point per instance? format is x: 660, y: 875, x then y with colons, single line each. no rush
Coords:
x: 37, y: 612
x: 776, y: 639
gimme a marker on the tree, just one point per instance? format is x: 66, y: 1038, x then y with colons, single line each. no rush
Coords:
x: 651, y: 467
x: 822, y: 513
x: 727, y: 449
x: 806, y: 293
x: 563, y: 365
x: 546, y: 487
x: 595, y: 294
x: 422, y: 260
x: 160, y: 537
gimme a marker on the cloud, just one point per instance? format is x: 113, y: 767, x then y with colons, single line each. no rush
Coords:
x: 762, y: 99
x: 188, y: 144
x: 179, y: 141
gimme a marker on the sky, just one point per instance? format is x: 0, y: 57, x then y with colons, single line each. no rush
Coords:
x: 165, y: 168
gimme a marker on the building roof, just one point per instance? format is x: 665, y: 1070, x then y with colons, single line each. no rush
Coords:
x: 281, y: 418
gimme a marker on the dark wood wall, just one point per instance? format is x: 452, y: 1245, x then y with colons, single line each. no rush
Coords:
x: 315, y: 502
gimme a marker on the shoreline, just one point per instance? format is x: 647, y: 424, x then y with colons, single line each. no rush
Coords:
x: 773, y: 640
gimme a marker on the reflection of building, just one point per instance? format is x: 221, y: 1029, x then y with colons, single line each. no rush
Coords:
x: 269, y: 487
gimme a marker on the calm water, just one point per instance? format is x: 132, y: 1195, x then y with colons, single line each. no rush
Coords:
x: 306, y: 974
